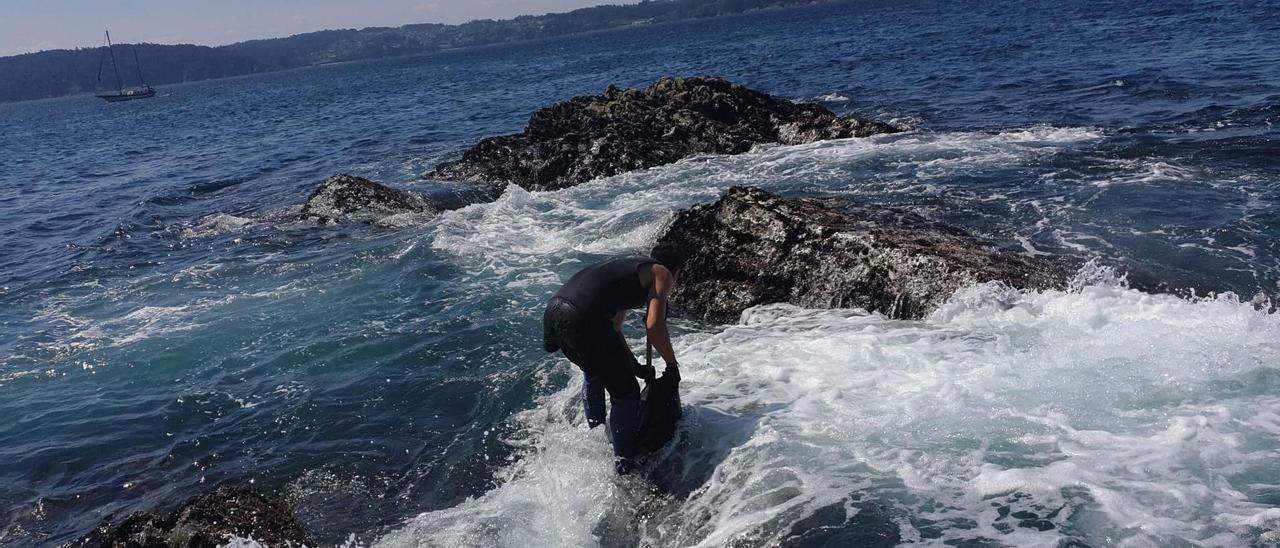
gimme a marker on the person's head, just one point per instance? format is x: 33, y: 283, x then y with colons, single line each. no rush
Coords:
x: 670, y: 255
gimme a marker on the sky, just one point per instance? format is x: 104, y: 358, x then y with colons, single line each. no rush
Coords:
x: 35, y: 25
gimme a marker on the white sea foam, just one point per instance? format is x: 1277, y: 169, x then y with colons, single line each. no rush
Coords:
x: 626, y: 212
x: 1100, y: 413
x: 82, y: 333
x: 556, y: 496
x: 218, y: 223
x: 1147, y: 172
x: 513, y: 242
x: 137, y: 325
x: 237, y: 541
x: 282, y: 217
x: 6, y: 378
x: 1116, y: 417
x: 1128, y: 413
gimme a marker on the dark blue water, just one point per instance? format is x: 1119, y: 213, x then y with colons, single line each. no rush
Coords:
x: 168, y: 327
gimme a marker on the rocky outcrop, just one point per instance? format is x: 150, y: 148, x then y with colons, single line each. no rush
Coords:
x: 623, y: 130
x: 347, y: 197
x: 752, y: 247
x: 207, y: 520
x: 584, y: 138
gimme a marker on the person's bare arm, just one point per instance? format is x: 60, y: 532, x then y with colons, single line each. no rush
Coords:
x: 656, y: 322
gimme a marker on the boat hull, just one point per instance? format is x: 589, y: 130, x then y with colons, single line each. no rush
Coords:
x: 118, y: 97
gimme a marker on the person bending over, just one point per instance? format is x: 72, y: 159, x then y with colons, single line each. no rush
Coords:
x: 584, y: 321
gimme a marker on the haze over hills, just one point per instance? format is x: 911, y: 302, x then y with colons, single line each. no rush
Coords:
x: 57, y: 73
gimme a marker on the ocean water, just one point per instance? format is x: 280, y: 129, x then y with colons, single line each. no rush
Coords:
x: 168, y: 327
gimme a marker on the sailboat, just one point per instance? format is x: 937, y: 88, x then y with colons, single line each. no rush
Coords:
x: 122, y: 93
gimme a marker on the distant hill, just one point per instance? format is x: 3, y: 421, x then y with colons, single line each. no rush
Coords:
x: 66, y: 72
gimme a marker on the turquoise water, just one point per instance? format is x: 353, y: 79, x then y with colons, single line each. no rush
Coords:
x: 168, y: 327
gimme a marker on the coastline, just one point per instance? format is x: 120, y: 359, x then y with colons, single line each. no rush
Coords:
x: 791, y: 4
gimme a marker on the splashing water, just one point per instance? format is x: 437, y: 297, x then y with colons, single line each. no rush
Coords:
x: 170, y: 326
x: 1100, y: 414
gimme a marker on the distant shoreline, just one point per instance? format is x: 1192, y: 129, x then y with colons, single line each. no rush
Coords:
x: 61, y: 73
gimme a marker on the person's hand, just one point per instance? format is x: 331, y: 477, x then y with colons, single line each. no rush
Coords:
x: 646, y: 372
x: 673, y: 371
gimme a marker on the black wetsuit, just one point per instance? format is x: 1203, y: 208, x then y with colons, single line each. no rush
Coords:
x: 579, y: 322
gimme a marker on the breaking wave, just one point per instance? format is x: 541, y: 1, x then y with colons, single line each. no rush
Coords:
x: 1100, y: 414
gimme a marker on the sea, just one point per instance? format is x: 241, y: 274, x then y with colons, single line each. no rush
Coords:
x: 168, y: 326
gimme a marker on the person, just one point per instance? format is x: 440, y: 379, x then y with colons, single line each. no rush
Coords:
x: 584, y: 321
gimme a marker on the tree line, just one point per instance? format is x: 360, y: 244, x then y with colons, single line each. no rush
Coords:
x: 57, y: 73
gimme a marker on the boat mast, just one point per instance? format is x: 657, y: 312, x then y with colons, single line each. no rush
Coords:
x: 119, y: 84
x: 101, y: 58
x: 141, y: 80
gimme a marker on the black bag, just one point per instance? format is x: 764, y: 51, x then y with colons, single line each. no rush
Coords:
x: 659, y: 407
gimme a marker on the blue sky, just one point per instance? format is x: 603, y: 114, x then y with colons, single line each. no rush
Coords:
x: 33, y: 25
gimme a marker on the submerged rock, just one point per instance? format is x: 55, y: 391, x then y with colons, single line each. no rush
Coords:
x: 752, y: 247
x: 207, y: 520
x: 343, y: 197
x: 623, y: 130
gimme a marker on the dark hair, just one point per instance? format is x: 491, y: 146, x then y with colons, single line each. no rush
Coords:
x: 670, y: 255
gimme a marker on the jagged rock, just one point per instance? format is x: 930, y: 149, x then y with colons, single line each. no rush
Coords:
x: 752, y: 247
x: 344, y: 196
x: 623, y: 130
x: 207, y: 520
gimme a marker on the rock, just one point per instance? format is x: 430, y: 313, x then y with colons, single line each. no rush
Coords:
x: 752, y: 247
x: 343, y: 197
x: 623, y: 130
x: 207, y: 520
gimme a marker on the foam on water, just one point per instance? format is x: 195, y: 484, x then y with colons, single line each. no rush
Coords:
x: 218, y: 223
x: 627, y: 211
x: 1149, y: 172
x: 223, y: 223
x: 1102, y: 414
x: 1099, y: 413
x: 384, y: 359
x: 556, y: 496
x: 241, y: 542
